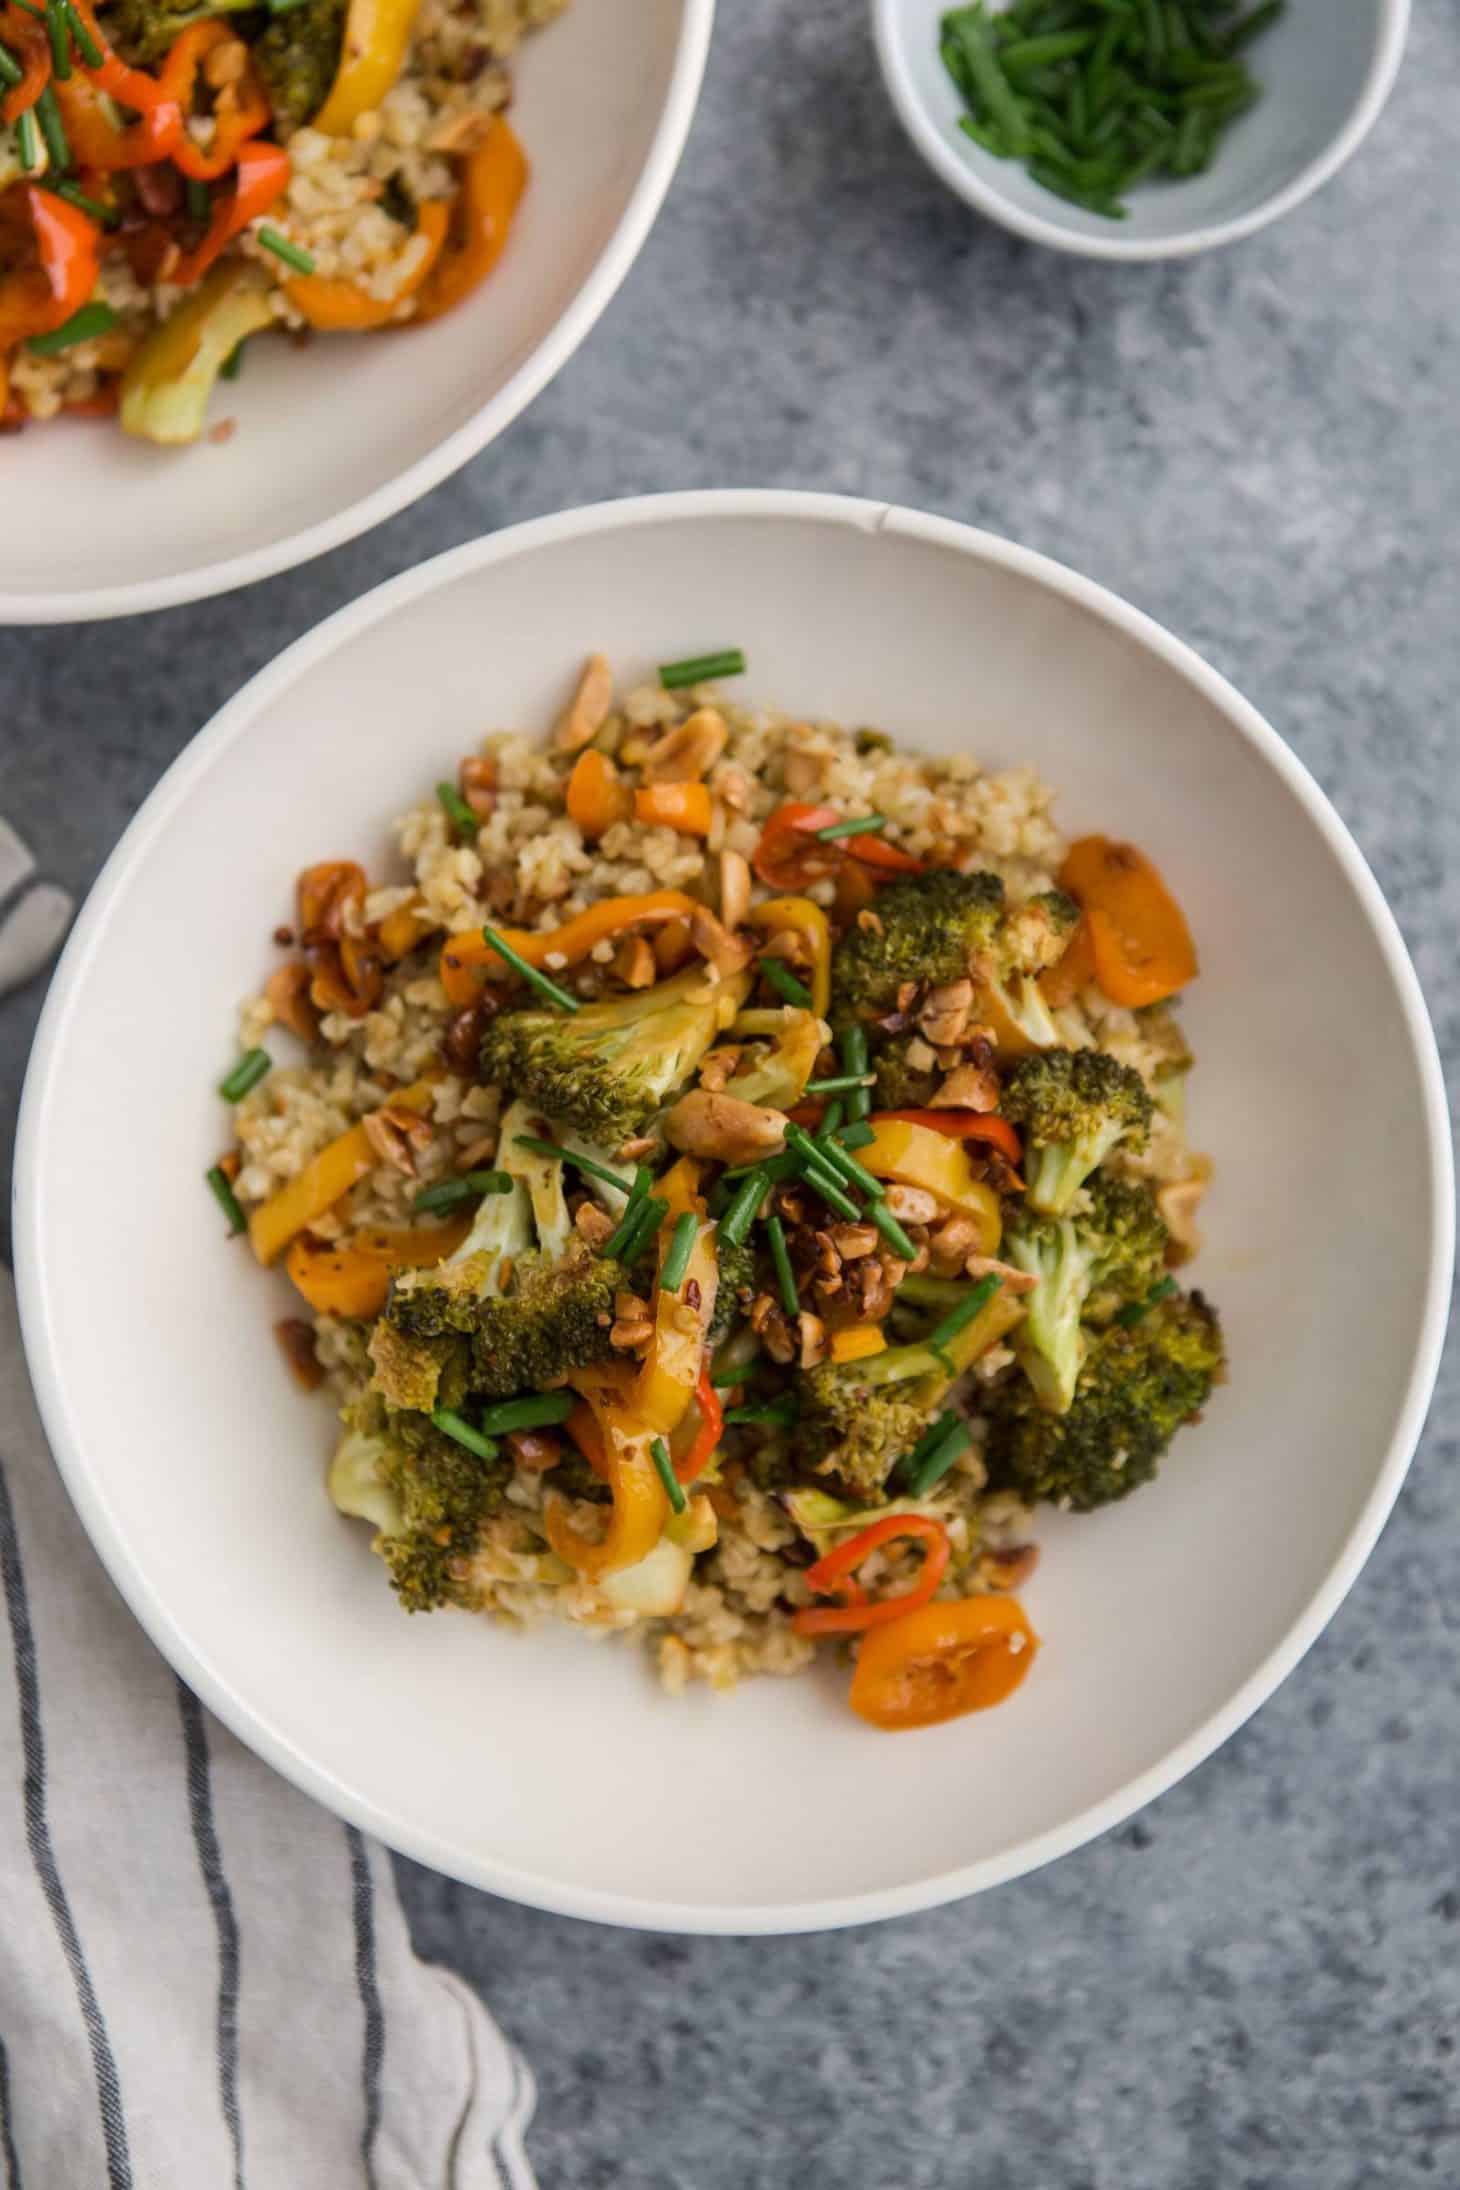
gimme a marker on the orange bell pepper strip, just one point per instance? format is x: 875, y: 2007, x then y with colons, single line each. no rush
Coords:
x: 961, y: 1125
x: 35, y: 299
x: 595, y: 796
x: 1075, y: 971
x: 858, y: 1342
x: 261, y: 175
x: 336, y: 306
x: 25, y: 39
x: 400, y: 931
x: 640, y: 1505
x: 1139, y: 941
x: 351, y: 1277
x: 686, y: 807
x: 790, y: 854
x: 242, y: 109
x: 835, y: 1571
x: 942, y: 1661
x: 469, y: 961
x: 492, y: 187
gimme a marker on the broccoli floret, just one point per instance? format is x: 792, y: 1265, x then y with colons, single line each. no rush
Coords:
x: 142, y: 31
x: 736, y: 1275
x: 1115, y: 1247
x: 928, y: 928
x: 901, y: 1086
x: 1075, y: 1107
x: 428, y: 1497
x: 858, y: 1418
x: 608, y: 1068
x: 1033, y: 936
x: 298, y: 57
x: 1138, y: 1385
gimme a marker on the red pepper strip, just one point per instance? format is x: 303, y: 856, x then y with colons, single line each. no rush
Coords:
x: 790, y: 854
x: 876, y: 852
x: 240, y: 113
x: 93, y: 137
x: 963, y: 1125
x: 262, y: 175
x: 27, y: 40
x: 836, y: 1569
x: 68, y: 245
x: 807, y: 1114
x: 707, y: 1436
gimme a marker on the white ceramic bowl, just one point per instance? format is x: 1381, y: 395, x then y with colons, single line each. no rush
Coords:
x: 541, y: 1767
x: 1325, y: 69
x: 337, y: 436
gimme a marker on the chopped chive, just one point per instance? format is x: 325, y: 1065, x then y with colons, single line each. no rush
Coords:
x: 835, y: 1084
x: 83, y: 326
x: 831, y: 1119
x: 530, y: 974
x: 457, y: 1428
x: 283, y: 249
x: 681, y: 1247
x: 106, y: 215
x: 567, y: 1155
x: 892, y: 1231
x: 866, y: 825
x: 90, y: 52
x: 31, y: 9
x: 775, y: 1168
x: 784, y: 982
x: 856, y: 1136
x: 458, y: 813
x: 1137, y: 1310
x: 835, y: 1154
x: 537, y: 1412
x: 58, y: 31
x: 247, y: 1073
x: 936, y: 1430
x: 232, y: 365
x: 650, y: 1216
x: 980, y: 60
x: 780, y: 1256
x: 702, y: 669
x: 614, y: 1246
x: 765, y: 1410
x: 934, y: 1465
x: 11, y: 71
x: 823, y: 1181
x: 1063, y: 45
x: 960, y: 1317
x: 53, y: 129
x: 673, y: 1488
x: 852, y: 1044
x: 27, y: 148
x: 199, y: 200
x: 726, y: 1379
x: 471, y: 1186
x: 745, y: 1208
x: 226, y: 1199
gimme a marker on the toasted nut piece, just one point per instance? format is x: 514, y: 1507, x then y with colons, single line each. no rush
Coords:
x: 395, y: 1135
x: 672, y: 946
x: 641, y: 1144
x: 287, y: 995
x: 1007, y: 1569
x: 1014, y: 1281
x: 477, y: 777
x: 920, y: 1056
x: 734, y: 888
x: 718, y: 1069
x: 803, y: 771
x: 461, y: 132
x: 592, y: 1223
x: 477, y: 1152
x: 852, y: 1241
x: 945, y: 1013
x: 968, y: 1087
x: 534, y: 1449
x: 630, y: 1337
x: 633, y: 962
x: 727, y: 953
x: 687, y: 752
x: 951, y: 1245
x: 225, y: 63
x: 724, y: 1128
x: 732, y: 788
x: 812, y: 1332
x: 768, y: 1321
x: 1178, y: 1204
x: 587, y: 711
x: 911, y: 1204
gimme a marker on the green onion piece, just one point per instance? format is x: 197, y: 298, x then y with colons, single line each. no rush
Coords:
x: 834, y: 1153
x: 31, y: 9
x: 53, y: 129
x: 530, y: 974
x: 455, y: 1426
x: 90, y: 52
x: 534, y: 1413
x: 726, y: 1379
x: 1063, y: 45
x: 831, y: 1119
x: 617, y: 1242
x: 681, y: 1247
x: 650, y: 1215
x: 106, y: 216
x: 283, y: 249
x: 785, y: 1276
x: 784, y: 982
x: 458, y: 813
x: 836, y: 1084
x: 673, y: 1488
x: 1137, y: 1310
x: 702, y: 669
x: 978, y: 1299
x: 199, y: 200
x: 232, y: 365
x: 471, y: 1186
x: 83, y: 326
x: 856, y: 1136
x: 823, y: 1181
x: 226, y: 1199
x: 766, y: 1410
x: 247, y: 1073
x: 867, y: 825
x: 11, y: 71
x: 567, y: 1155
x: 936, y: 1430
x: 954, y: 1442
x: 745, y: 1208
x: 775, y: 1168
x: 892, y: 1231
x: 852, y: 1043
x: 58, y: 31
x: 28, y: 150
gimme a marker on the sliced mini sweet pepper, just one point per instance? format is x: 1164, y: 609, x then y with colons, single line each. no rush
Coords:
x: 35, y: 299
x: 919, y: 1155
x: 939, y: 1661
x: 260, y: 177
x: 26, y: 41
x: 806, y: 919
x: 97, y: 138
x: 834, y: 1573
x: 493, y: 182
x: 961, y: 1125
x: 469, y: 961
x: 337, y: 306
x: 351, y: 1277
x: 640, y: 1504
x: 240, y: 112
x: 340, y: 1164
x: 377, y: 33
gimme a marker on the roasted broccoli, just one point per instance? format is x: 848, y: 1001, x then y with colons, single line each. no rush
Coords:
x: 928, y: 929
x: 737, y: 1275
x: 527, y: 1295
x: 1074, y: 1106
x: 298, y: 57
x: 900, y: 1085
x: 142, y: 31
x: 858, y: 1418
x: 609, y: 1067
x: 1115, y: 1248
x: 1138, y: 1385
x: 428, y: 1498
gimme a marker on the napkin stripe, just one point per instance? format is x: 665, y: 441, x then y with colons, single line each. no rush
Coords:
x: 8, y: 2152
x: 220, y: 1900
x: 42, y: 1850
x: 369, y: 1989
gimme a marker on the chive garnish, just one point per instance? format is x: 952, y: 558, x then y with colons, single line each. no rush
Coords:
x: 960, y: 1317
x: 226, y: 1199
x: 247, y: 1073
x: 831, y: 1119
x: 781, y: 1257
x: 765, y: 1410
x: 912, y: 1460
x: 887, y: 1224
x: 865, y: 825
x: 458, y: 813
x: 199, y: 200
x: 106, y: 215
x: 90, y: 52
x: 534, y: 1413
x: 702, y: 669
x: 456, y: 1427
x: 647, y: 1219
x: 594, y: 1169
x: 530, y: 974
x: 784, y: 982
x: 11, y: 71
x: 58, y: 31
x: 836, y: 1084
x: 27, y: 146
x: 823, y: 1181
x: 745, y: 1207
x: 614, y: 1245
x: 471, y: 1186
x: 83, y: 326
x: 1136, y: 1311
x: 232, y: 365
x: 858, y: 1135
x: 53, y: 129
x: 681, y: 1247
x: 834, y: 1154
x: 673, y: 1488
x: 852, y: 1045
x: 934, y: 1465
x: 726, y: 1379
x: 283, y: 249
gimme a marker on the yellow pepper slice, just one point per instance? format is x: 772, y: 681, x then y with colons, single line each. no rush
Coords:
x: 671, y: 1372
x: 340, y: 1164
x: 640, y: 1505
x: 858, y: 1342
x: 377, y: 33
x: 807, y: 920
x: 469, y: 961
x: 917, y: 1156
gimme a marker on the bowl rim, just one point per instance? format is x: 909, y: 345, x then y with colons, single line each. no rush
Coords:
x: 99, y: 603
x: 232, y: 723
x: 965, y: 176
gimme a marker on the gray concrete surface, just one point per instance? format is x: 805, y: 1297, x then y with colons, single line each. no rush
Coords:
x: 1257, y: 1984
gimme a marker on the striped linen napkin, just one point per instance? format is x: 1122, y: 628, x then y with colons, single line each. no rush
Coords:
x: 206, y: 1982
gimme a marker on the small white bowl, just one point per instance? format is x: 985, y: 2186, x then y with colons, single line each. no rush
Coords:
x: 537, y: 1765
x: 1325, y: 71
x: 335, y: 437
